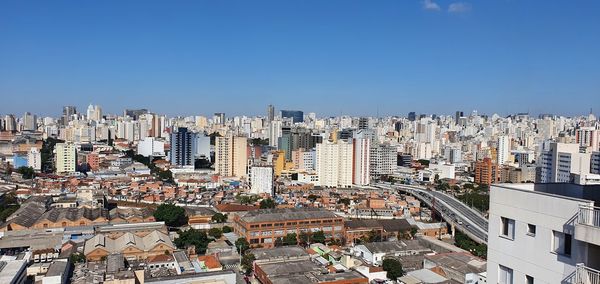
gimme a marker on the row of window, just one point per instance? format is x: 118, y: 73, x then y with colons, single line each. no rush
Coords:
x: 505, y: 276
x: 561, y: 242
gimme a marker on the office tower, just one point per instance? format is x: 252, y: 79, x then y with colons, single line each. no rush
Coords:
x: 457, y: 116
x: 384, y: 158
x: 29, y: 122
x: 68, y: 113
x: 182, y: 147
x: 94, y: 112
x: 588, y: 137
x: 297, y: 116
x: 503, y: 150
x: 363, y: 123
x: 65, y: 157
x: 261, y: 180
x: 231, y: 156
x: 562, y: 162
x: 294, y: 138
x: 90, y: 112
x: 412, y: 116
x: 362, y: 153
x: 270, y: 113
x: 219, y: 118
x: 543, y: 233
x: 34, y: 159
x: 334, y: 163
x: 486, y: 171
x: 135, y: 113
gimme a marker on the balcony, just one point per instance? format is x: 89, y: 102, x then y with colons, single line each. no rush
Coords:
x: 586, y: 275
x: 587, y: 225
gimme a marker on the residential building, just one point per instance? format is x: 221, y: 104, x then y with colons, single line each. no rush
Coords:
x: 503, y: 150
x: 543, y: 233
x: 334, y: 163
x: 231, y: 156
x: 151, y: 147
x: 361, y: 160
x: 65, y: 158
x: 560, y: 161
x: 182, y: 148
x: 262, y: 180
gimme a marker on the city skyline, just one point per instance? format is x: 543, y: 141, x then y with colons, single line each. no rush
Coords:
x: 333, y: 57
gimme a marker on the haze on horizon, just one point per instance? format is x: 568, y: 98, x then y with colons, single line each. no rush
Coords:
x: 329, y: 57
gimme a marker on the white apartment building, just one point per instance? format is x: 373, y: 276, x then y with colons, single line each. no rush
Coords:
x: 543, y: 233
x: 261, y: 180
x: 503, y: 151
x: 150, y: 146
x: 334, y: 163
x: 65, y: 157
x: 560, y: 161
x: 362, y: 160
x: 34, y: 159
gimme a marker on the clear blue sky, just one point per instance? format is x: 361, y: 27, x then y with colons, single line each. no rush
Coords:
x: 326, y: 56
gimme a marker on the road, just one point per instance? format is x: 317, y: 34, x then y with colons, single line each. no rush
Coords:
x: 453, y: 211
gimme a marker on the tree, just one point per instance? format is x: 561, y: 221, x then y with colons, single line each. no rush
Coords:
x: 424, y: 162
x: 312, y: 197
x: 373, y: 236
x: 166, y: 176
x: 318, y: 237
x: 172, y: 215
x: 193, y: 237
x: 267, y: 203
x: 290, y: 239
x: 227, y: 229
x: 26, y: 172
x: 77, y: 257
x: 246, y: 199
x: 242, y: 245
x: 304, y: 237
x: 219, y: 218
x: 216, y: 233
x: 345, y: 201
x: 247, y: 261
x: 279, y: 242
x: 393, y: 268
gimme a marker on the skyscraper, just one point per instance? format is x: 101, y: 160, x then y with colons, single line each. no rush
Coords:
x: 182, y: 147
x: 503, y: 151
x: 68, y: 112
x: 270, y: 113
x: 219, y: 118
x: 29, y: 122
x: 458, y: 115
x: 297, y: 116
x: 412, y: 116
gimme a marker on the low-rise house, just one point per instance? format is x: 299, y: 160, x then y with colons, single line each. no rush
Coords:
x: 374, y: 253
x: 132, y: 246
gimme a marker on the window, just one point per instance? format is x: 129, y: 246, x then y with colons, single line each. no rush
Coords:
x: 508, y: 228
x: 561, y: 243
x: 531, y: 229
x: 505, y: 275
x: 529, y: 279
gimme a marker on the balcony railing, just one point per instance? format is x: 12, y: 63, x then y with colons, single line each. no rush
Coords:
x: 586, y: 275
x: 589, y: 215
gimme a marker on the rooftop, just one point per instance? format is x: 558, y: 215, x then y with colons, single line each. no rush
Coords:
x: 283, y: 214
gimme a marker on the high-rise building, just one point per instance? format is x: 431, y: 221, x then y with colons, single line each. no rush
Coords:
x: 458, y: 115
x: 486, y: 171
x: 29, y: 122
x: 562, y: 162
x: 503, y: 151
x: 219, y: 118
x: 297, y: 116
x: 588, y: 137
x: 334, y: 163
x: 68, y: 113
x: 135, y: 113
x: 270, y: 113
x: 363, y: 123
x: 202, y: 146
x: 261, y: 180
x: 149, y: 146
x: 10, y: 123
x: 543, y: 233
x: 383, y: 160
x: 94, y: 112
x: 412, y: 116
x: 361, y: 160
x: 182, y: 150
x: 231, y: 155
x: 65, y: 157
x: 294, y: 138
x: 34, y: 159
